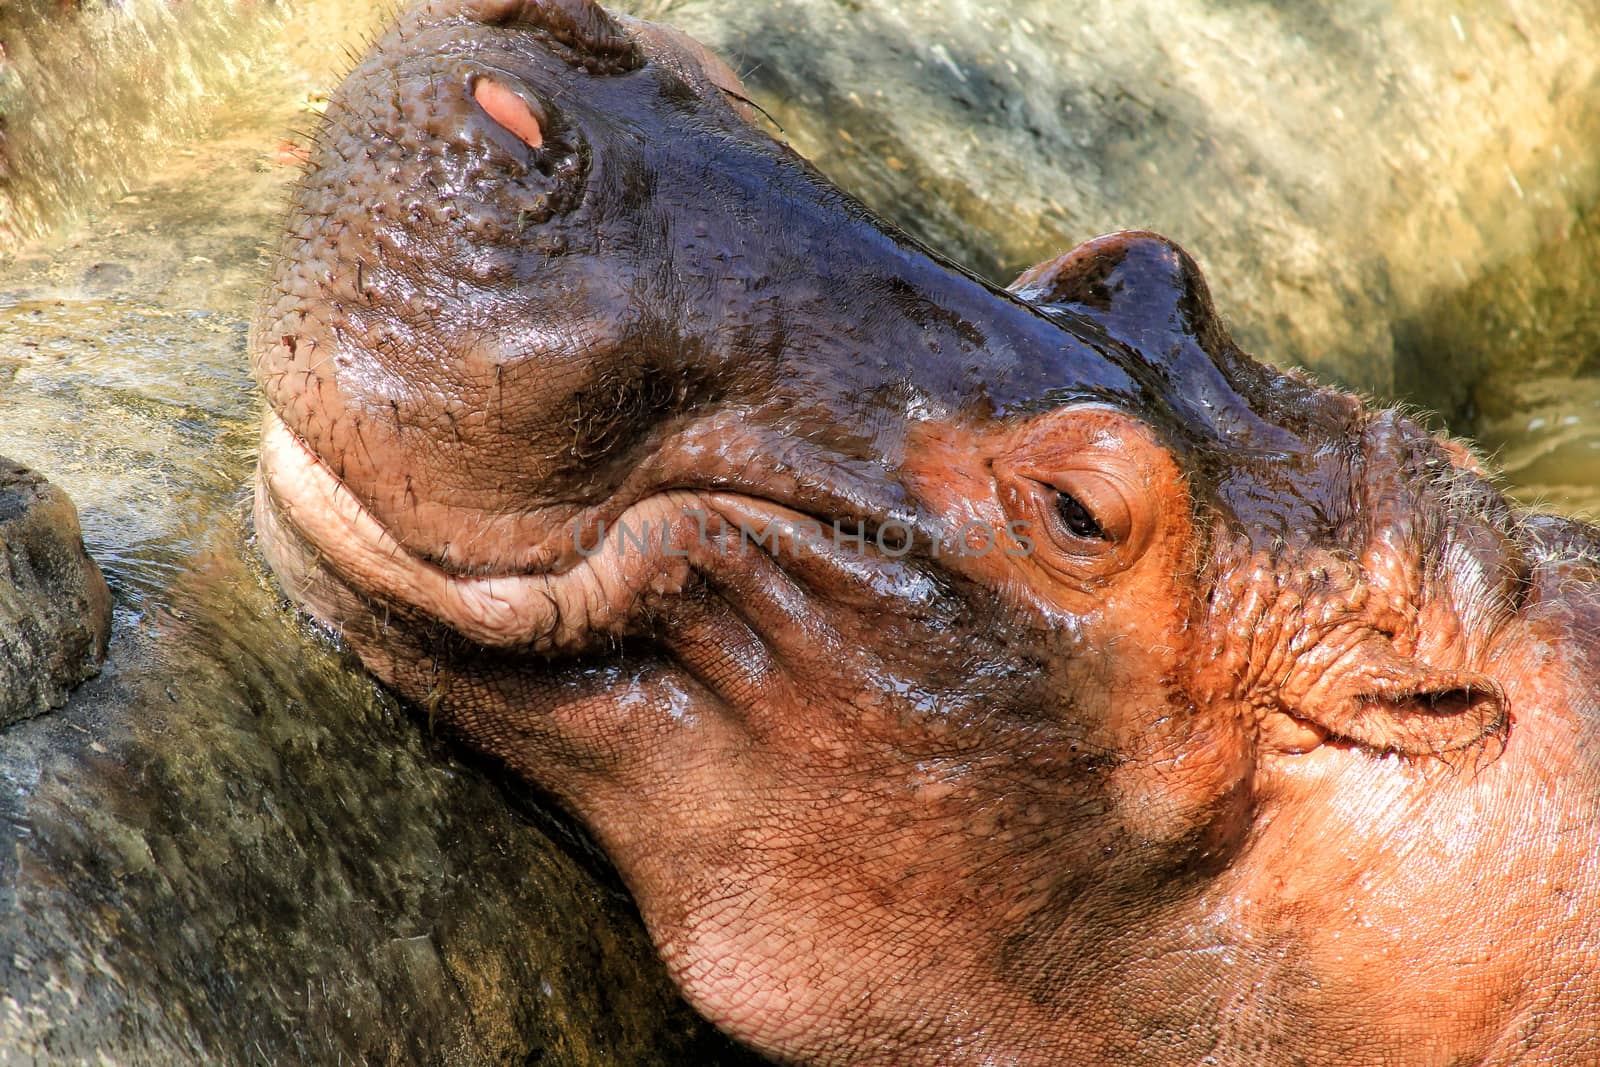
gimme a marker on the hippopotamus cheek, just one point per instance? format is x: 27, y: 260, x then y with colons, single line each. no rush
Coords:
x: 1096, y: 535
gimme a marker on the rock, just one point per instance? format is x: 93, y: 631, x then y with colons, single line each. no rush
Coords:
x: 55, y: 609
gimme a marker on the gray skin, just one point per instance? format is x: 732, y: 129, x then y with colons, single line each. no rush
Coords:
x: 1260, y: 733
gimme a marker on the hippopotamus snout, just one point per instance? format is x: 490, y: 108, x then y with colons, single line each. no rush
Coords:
x: 514, y: 257
x: 444, y: 310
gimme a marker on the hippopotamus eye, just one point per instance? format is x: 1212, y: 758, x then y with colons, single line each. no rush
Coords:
x: 1090, y: 486
x: 1077, y: 519
x: 1094, y: 502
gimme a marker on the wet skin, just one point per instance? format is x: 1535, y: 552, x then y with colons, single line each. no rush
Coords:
x: 1124, y: 700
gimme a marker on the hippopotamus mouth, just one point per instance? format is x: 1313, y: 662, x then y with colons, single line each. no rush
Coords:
x: 973, y: 630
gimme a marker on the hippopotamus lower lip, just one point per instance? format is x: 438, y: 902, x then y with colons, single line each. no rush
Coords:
x: 652, y: 548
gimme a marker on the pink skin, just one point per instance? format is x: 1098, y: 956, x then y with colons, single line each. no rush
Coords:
x: 1256, y: 730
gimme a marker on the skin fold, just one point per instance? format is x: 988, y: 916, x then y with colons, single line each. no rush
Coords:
x: 955, y: 675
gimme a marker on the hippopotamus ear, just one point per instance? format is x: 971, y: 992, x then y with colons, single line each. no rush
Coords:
x: 1143, y: 289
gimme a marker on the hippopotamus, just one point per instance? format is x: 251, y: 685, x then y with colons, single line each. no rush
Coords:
x: 954, y: 674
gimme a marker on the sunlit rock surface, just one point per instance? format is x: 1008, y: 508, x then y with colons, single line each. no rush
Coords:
x: 93, y: 93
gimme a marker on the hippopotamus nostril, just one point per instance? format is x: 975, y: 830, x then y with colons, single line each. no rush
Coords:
x: 507, y: 108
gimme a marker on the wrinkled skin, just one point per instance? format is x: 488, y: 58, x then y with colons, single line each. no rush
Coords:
x: 1261, y: 730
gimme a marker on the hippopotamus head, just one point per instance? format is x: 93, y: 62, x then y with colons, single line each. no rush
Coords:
x: 954, y: 674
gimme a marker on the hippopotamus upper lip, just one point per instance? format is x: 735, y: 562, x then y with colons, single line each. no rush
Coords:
x: 508, y: 607
x: 721, y: 453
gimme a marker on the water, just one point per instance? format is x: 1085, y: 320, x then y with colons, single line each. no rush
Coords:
x: 122, y: 334
x: 1548, y: 445
x: 151, y: 447
x: 1535, y: 407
